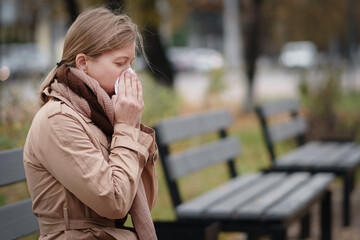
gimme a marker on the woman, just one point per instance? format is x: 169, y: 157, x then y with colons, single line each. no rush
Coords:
x: 88, y: 160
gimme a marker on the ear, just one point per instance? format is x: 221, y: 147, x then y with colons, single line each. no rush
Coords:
x: 82, y: 62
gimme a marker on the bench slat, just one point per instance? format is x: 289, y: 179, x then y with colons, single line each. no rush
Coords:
x: 292, y: 157
x: 259, y: 197
x: 192, y: 160
x: 352, y: 158
x: 174, y: 129
x: 274, y: 108
x: 290, y: 129
x: 296, y: 200
x: 259, y: 205
x: 17, y: 220
x: 197, y: 205
x: 228, y: 206
x: 312, y: 158
x: 334, y: 155
x: 11, y: 166
x: 329, y: 154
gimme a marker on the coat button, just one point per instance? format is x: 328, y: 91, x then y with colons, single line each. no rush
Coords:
x: 154, y: 157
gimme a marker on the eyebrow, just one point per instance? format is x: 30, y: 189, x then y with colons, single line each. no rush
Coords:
x: 124, y: 57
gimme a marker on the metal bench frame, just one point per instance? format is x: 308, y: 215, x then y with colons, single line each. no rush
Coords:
x: 257, y: 204
x: 340, y: 158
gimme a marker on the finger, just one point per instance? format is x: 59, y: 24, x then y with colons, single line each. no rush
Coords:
x: 139, y: 91
x: 121, y: 89
x: 128, y: 84
x: 114, y: 99
x: 134, y: 85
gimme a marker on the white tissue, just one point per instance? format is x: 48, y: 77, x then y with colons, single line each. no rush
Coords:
x: 117, y: 80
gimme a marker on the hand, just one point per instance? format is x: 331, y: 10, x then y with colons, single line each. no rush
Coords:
x: 129, y: 103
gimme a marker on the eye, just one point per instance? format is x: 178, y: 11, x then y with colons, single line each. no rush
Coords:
x: 120, y: 64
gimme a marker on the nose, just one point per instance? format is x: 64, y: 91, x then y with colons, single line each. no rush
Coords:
x: 128, y: 65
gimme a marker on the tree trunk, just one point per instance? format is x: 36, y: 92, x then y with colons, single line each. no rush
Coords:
x: 252, y: 49
x: 232, y: 39
x: 73, y: 10
x: 160, y: 66
x: 351, y: 43
x: 155, y: 51
x: 116, y: 5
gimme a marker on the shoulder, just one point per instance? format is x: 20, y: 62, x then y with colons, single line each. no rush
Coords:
x: 51, y: 125
x: 56, y: 118
x: 58, y: 110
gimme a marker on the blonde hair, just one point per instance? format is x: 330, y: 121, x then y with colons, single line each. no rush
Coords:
x: 93, y: 33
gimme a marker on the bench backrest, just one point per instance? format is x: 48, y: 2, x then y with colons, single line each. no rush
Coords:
x: 181, y: 164
x: 17, y: 219
x: 293, y: 126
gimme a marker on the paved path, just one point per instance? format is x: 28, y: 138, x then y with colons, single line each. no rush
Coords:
x: 271, y: 81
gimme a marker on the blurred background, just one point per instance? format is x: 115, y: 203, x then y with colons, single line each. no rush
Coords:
x: 203, y: 54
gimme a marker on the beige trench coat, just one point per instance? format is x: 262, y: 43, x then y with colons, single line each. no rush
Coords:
x: 78, y: 187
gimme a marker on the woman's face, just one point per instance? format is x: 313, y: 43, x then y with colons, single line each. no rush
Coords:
x: 108, y: 66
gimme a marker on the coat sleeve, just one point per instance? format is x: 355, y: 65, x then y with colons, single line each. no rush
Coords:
x: 71, y: 157
x: 149, y: 176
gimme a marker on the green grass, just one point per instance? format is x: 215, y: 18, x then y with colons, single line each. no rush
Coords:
x: 34, y: 236
x: 348, y: 103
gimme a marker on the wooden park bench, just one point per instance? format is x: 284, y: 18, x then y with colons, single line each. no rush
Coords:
x: 16, y: 219
x: 257, y: 203
x: 340, y: 158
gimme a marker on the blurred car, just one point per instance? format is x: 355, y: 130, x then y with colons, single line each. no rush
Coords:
x: 195, y: 59
x: 24, y: 58
x: 302, y: 54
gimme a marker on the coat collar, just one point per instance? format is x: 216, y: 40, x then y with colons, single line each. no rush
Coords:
x: 52, y: 93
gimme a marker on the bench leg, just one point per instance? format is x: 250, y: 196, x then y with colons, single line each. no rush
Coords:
x: 254, y: 236
x: 186, y: 230
x: 279, y: 234
x: 348, y: 185
x: 251, y: 236
x: 305, y: 226
x: 326, y: 217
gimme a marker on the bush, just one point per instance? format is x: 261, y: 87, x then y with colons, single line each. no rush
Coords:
x: 331, y: 112
x: 160, y: 101
x: 16, y: 114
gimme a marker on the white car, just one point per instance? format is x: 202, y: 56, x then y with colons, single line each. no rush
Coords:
x: 24, y: 58
x: 301, y: 54
x: 195, y: 59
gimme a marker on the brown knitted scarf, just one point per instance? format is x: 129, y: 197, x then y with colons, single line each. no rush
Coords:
x: 98, y: 116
